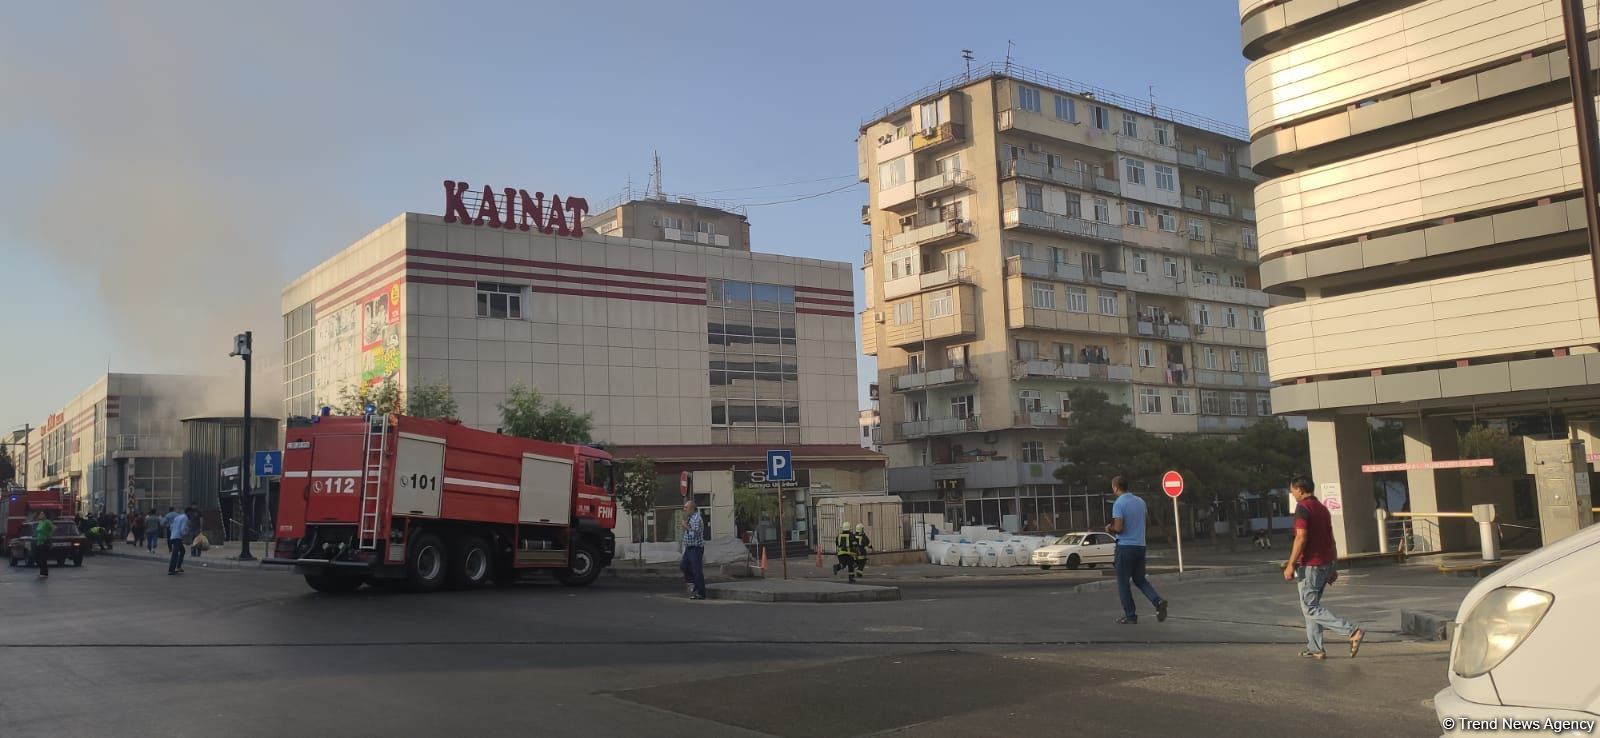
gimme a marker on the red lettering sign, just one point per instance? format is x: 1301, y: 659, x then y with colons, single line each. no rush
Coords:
x: 1427, y: 465
x: 54, y: 420
x: 514, y: 209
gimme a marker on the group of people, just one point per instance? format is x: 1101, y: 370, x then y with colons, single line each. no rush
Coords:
x: 851, y: 547
x: 181, y: 531
x: 99, y: 529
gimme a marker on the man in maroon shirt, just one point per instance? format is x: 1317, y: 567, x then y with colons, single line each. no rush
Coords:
x: 1312, y: 562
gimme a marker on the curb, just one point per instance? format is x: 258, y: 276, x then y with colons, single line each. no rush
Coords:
x: 200, y: 562
x: 869, y: 593
x: 1428, y: 626
x: 1188, y: 576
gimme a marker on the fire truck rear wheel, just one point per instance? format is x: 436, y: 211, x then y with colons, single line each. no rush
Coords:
x: 427, y: 563
x: 585, y: 567
x: 334, y: 583
x: 472, y: 563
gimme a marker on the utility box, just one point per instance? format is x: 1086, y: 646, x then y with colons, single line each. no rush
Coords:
x: 1560, y: 471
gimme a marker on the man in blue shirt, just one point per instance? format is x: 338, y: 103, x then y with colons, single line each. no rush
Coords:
x: 1127, y: 523
x: 694, y: 550
x: 176, y: 529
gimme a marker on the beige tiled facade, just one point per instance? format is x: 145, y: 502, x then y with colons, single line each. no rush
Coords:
x: 1422, y: 220
x: 1029, y: 236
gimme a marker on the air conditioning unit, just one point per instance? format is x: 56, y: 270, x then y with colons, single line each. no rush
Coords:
x: 877, y: 316
x: 930, y: 132
x: 1036, y: 147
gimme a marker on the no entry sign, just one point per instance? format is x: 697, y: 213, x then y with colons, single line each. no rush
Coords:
x: 1172, y: 484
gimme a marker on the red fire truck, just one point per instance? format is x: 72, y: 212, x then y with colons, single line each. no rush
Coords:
x: 18, y: 506
x: 430, y: 502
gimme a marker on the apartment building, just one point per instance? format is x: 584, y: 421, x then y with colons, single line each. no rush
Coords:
x: 1424, y: 203
x: 656, y: 216
x: 1031, y: 235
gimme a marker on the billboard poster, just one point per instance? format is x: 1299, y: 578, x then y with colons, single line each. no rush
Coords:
x: 338, y: 348
x: 380, y: 335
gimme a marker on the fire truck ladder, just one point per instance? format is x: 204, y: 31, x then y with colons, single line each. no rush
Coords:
x: 372, y: 483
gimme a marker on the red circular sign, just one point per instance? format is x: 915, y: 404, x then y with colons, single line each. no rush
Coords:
x: 1172, y: 483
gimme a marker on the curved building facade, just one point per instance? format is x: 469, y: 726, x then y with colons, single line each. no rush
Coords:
x: 1422, y: 208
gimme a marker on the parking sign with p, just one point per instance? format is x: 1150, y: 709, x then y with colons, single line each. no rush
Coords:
x: 780, y: 466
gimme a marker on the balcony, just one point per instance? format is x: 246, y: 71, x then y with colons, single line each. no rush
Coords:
x: 1038, y: 419
x: 1112, y: 279
x: 1227, y: 293
x: 1173, y: 331
x: 1220, y: 208
x: 1018, y: 266
x: 960, y: 321
x: 866, y: 215
x: 1231, y: 336
x: 937, y: 232
x: 914, y: 283
x: 1223, y: 423
x: 1051, y: 127
x: 938, y: 427
x: 1106, y: 185
x: 1147, y: 149
x: 1038, y: 220
x: 1190, y: 202
x: 1036, y: 170
x: 944, y: 181
x: 938, y: 136
x: 1248, y: 214
x: 934, y: 378
x: 866, y: 257
x: 1210, y: 163
x: 1047, y: 369
x: 897, y: 196
x: 687, y: 236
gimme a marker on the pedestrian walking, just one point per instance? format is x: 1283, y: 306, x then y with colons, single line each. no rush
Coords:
x: 859, y: 544
x: 135, y: 528
x: 44, y: 530
x: 176, y: 531
x: 693, y: 563
x: 844, y: 548
x: 1128, y: 516
x: 152, y: 530
x: 1311, y: 562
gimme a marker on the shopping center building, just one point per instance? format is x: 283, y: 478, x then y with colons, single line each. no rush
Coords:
x: 682, y: 347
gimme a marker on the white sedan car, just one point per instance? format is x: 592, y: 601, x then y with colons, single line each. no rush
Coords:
x: 1525, y: 651
x: 1077, y: 549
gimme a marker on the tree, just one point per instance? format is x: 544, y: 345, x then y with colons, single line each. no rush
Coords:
x: 636, y: 493
x: 1099, y: 443
x: 526, y: 414
x: 751, y: 506
x: 431, y: 400
x: 1485, y: 442
x: 385, y: 399
x: 8, y: 470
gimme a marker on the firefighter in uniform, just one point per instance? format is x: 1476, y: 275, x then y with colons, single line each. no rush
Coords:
x: 843, y: 547
x: 859, y: 544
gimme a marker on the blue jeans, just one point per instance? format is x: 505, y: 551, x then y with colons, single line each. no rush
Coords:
x: 175, y: 545
x: 150, y: 540
x: 1312, y: 579
x: 1130, y: 569
x: 693, y: 567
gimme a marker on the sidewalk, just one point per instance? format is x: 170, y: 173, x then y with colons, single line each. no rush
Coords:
x: 220, y: 556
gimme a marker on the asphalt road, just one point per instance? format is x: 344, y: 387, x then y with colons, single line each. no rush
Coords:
x: 119, y: 648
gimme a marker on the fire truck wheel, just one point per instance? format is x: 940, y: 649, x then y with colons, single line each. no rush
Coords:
x: 427, y: 563
x: 585, y: 567
x: 471, y: 564
x: 334, y: 583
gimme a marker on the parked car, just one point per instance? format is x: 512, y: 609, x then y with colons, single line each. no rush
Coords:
x: 66, y: 543
x: 1524, y: 646
x: 1076, y: 549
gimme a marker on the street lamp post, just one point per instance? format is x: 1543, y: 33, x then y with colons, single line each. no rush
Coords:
x: 241, y: 348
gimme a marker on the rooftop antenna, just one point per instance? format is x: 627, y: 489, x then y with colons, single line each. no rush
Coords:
x: 1151, y: 91
x: 967, y: 55
x: 657, y: 175
x: 1009, y: 46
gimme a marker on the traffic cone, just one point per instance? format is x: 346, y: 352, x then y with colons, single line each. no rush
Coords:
x: 819, y: 558
x: 763, y: 559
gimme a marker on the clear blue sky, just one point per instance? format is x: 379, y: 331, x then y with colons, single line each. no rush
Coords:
x: 166, y: 167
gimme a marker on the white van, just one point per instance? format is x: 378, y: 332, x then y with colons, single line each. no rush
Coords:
x: 1526, y: 651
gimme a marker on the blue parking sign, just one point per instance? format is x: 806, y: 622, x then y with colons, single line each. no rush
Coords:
x: 269, y: 463
x: 780, y: 466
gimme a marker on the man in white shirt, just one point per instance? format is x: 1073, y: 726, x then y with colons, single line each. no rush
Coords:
x: 175, y: 532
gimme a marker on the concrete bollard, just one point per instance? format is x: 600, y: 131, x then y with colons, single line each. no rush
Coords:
x: 1489, y: 542
x: 1383, y: 530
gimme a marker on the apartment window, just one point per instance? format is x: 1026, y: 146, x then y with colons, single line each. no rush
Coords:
x: 941, y: 304
x: 710, y: 229
x: 956, y: 355
x: 1182, y: 403
x: 1023, y: 249
x: 1197, y: 230
x: 1166, y: 221
x: 1235, y: 360
x: 1208, y: 357
x: 1130, y: 125
x: 1102, y: 117
x: 1236, y: 281
x: 1164, y: 178
x: 1016, y: 152
x: 905, y: 313
x: 1044, y: 296
x: 1065, y: 398
x: 930, y: 115
x: 1169, y: 267
x: 1059, y: 255
x: 962, y: 406
x: 1034, y: 194
x: 1201, y: 154
x: 499, y: 301
x: 1147, y: 355
x: 1028, y: 98
x: 1264, y: 405
x: 1149, y: 401
x: 1065, y: 109
x: 915, y: 362
x: 1135, y: 171
x: 1257, y: 321
x: 916, y: 410
x: 892, y: 173
x: 955, y: 260
x: 1205, y: 314
x: 1108, y: 302
x: 1074, y: 205
x: 1248, y: 235
x: 1052, y: 161
x: 1163, y: 134
x: 1136, y: 216
x: 1209, y: 277
x: 1077, y: 300
x: 1030, y: 401
x: 1238, y: 404
x: 1033, y: 451
x: 672, y: 221
x: 1230, y: 318
x: 1258, y: 362
x: 1027, y: 350
x: 1141, y: 264
x: 1102, y: 210
x: 1064, y: 353
x: 948, y: 165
